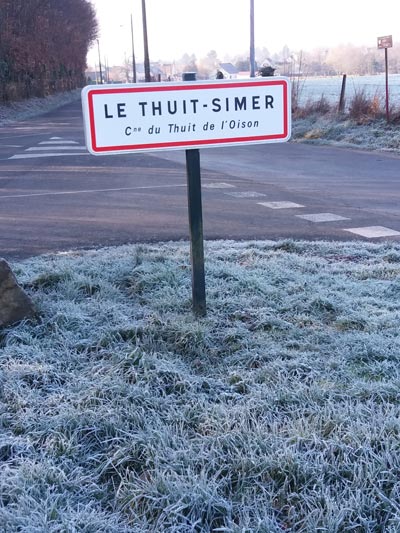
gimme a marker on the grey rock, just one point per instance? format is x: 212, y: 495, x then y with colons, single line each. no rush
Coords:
x: 15, y: 304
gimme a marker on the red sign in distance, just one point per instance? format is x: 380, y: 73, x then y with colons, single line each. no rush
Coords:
x: 172, y: 116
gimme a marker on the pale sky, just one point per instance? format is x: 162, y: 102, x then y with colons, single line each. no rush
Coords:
x: 176, y: 27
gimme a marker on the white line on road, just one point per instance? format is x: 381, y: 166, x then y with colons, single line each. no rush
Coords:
x: 219, y: 185
x: 30, y: 156
x: 245, y: 194
x: 59, y: 142
x: 92, y: 191
x: 44, y: 148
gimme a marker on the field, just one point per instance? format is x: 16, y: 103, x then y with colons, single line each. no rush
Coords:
x: 312, y: 88
x: 279, y: 411
x: 363, y: 123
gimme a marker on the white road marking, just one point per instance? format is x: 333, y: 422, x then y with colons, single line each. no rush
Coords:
x: 93, y: 191
x: 322, y: 217
x: 59, y: 142
x: 245, y: 194
x: 371, y: 232
x: 221, y: 185
x: 55, y: 147
x: 44, y: 148
x: 42, y: 126
x: 280, y: 205
x: 30, y: 156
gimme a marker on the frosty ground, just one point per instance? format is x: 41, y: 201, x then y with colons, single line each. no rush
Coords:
x: 277, y: 412
x: 121, y: 412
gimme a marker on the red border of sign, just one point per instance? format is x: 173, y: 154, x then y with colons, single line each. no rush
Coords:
x: 186, y: 87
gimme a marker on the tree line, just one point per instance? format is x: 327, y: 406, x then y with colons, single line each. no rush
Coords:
x: 349, y: 59
x: 43, y: 46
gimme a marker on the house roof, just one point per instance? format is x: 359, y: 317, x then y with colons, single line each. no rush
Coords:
x: 229, y: 68
x: 154, y: 69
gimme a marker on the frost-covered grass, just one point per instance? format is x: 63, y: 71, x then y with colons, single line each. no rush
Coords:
x: 25, y: 109
x: 362, y: 125
x: 335, y: 130
x: 279, y: 411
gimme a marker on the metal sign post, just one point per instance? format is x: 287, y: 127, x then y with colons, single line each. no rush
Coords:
x: 195, y: 212
x: 385, y: 43
x: 196, y: 232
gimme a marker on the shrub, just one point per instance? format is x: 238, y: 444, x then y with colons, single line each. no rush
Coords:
x: 362, y: 108
x: 312, y: 107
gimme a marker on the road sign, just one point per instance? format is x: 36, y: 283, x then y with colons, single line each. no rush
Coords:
x: 385, y: 42
x: 154, y: 116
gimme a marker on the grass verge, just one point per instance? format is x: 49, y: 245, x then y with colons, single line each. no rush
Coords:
x: 121, y: 412
x: 362, y: 125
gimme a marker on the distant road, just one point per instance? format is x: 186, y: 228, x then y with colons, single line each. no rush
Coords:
x: 55, y: 196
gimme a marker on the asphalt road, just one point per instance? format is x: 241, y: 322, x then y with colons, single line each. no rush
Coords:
x: 54, y: 196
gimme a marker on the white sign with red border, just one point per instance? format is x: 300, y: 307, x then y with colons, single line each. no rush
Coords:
x: 171, y: 116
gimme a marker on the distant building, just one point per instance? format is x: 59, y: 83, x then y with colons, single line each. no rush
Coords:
x: 228, y: 70
x: 119, y: 74
x: 124, y: 74
x: 158, y: 72
x: 92, y: 76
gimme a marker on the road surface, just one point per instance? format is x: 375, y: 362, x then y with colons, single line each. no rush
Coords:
x: 54, y: 196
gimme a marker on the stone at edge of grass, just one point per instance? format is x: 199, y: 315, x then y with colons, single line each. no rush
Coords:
x: 15, y: 304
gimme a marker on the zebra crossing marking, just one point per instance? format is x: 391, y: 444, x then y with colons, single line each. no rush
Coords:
x: 322, y: 217
x: 371, y: 232
x: 280, y: 205
x: 54, y: 147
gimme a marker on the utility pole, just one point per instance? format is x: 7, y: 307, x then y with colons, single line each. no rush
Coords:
x: 147, y: 75
x: 101, y: 73
x: 133, y: 54
x: 252, y: 53
x: 106, y: 70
